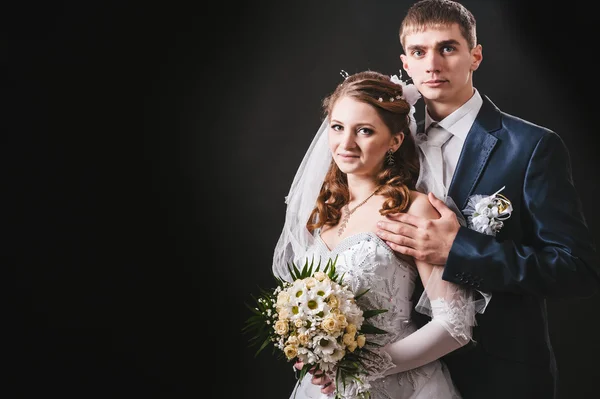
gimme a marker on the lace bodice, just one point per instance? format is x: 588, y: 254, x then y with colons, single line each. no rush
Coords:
x: 367, y: 262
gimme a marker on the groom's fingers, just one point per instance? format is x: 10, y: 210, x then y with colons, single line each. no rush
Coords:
x: 398, y: 227
x: 438, y: 204
x: 397, y: 238
x: 411, y: 220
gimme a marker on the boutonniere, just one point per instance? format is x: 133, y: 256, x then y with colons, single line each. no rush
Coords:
x: 486, y: 213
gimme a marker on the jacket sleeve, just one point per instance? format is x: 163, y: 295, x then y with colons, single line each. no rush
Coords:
x: 555, y: 258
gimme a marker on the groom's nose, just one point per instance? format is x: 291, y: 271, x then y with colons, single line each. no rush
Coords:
x: 433, y: 62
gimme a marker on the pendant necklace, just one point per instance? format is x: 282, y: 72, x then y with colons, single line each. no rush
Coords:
x: 347, y: 212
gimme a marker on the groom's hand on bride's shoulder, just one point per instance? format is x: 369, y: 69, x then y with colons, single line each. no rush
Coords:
x: 428, y: 240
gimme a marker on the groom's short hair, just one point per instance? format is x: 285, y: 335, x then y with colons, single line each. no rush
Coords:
x: 431, y: 13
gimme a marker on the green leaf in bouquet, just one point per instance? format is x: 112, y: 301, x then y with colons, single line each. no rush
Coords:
x: 330, y: 270
x: 253, y: 310
x: 373, y: 312
x: 296, y: 271
x: 263, y: 346
x: 307, y: 270
x: 361, y: 293
x: 371, y: 329
x: 259, y: 323
x: 349, y: 370
x: 253, y: 322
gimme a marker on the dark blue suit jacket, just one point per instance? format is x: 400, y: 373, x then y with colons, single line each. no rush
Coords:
x: 544, y: 250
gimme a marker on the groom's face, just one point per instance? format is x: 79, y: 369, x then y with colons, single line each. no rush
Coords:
x: 441, y: 64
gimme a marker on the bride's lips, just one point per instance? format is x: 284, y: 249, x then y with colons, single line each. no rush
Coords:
x: 434, y: 82
x: 347, y: 157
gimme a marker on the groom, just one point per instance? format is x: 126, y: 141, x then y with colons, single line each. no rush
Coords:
x: 543, y: 250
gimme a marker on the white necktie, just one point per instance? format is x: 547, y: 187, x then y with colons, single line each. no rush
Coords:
x: 431, y: 145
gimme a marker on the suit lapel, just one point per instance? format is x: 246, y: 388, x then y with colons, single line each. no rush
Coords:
x: 475, y: 153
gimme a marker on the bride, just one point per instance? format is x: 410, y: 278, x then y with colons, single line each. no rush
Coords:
x: 362, y: 165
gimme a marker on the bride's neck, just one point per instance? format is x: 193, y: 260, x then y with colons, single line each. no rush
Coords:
x: 360, y: 188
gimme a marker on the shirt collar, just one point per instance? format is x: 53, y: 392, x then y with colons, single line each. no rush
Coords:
x: 460, y: 121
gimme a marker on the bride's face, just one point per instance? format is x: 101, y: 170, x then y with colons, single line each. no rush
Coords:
x: 358, y: 137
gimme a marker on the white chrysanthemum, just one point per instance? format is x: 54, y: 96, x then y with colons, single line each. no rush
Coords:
x: 313, y: 304
x: 307, y: 356
x: 297, y: 291
x: 334, y: 357
x: 290, y: 311
x: 326, y: 366
x: 297, y: 294
x: 324, y: 345
x: 323, y: 288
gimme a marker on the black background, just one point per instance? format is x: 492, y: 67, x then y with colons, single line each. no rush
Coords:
x: 150, y: 152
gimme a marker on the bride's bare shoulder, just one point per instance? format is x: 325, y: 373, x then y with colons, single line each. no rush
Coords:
x: 420, y: 206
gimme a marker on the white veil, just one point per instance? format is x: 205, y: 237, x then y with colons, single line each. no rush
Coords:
x: 295, y: 238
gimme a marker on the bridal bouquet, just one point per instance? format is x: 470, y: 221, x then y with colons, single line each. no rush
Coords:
x: 316, y: 319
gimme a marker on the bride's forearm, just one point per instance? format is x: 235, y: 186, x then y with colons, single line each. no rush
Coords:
x: 430, y: 342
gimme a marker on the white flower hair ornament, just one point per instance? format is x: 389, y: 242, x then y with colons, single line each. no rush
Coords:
x: 486, y: 213
x: 411, y: 95
x: 409, y: 90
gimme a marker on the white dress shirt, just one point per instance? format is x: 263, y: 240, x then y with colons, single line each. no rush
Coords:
x: 458, y: 123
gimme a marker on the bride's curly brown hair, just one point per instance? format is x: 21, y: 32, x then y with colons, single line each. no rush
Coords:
x: 394, y: 181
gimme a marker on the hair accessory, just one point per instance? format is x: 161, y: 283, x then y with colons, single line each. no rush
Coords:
x: 344, y: 74
x: 411, y: 95
x: 409, y: 90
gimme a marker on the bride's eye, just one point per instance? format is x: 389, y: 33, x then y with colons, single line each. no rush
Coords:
x: 337, y: 128
x: 366, y: 131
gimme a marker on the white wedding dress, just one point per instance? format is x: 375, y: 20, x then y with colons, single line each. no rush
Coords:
x: 368, y: 262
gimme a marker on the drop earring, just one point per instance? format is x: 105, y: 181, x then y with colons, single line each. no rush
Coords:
x: 389, y: 157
